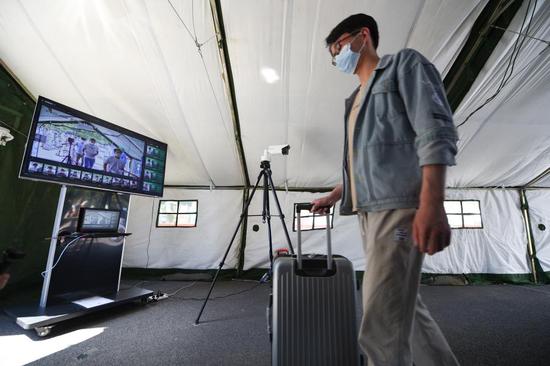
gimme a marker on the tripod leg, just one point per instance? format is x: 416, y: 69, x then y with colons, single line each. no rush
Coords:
x: 243, y: 215
x: 281, y: 215
x: 267, y: 214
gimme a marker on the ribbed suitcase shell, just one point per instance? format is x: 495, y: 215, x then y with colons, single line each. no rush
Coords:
x: 314, y: 318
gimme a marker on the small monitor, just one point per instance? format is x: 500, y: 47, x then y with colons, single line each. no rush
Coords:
x: 94, y: 220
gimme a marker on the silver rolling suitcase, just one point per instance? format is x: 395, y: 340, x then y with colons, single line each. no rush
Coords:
x: 313, y: 316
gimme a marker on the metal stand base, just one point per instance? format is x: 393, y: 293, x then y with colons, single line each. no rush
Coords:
x: 42, y: 319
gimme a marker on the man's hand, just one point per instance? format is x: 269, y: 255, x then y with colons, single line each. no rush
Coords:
x: 4, y: 277
x: 320, y: 204
x: 431, y: 231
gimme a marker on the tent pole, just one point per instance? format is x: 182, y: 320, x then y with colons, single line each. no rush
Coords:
x: 531, y: 250
x: 217, y: 18
x: 539, y: 177
x: 244, y: 227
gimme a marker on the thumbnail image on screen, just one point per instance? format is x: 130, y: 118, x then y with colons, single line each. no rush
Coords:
x: 71, y: 147
x: 96, y: 220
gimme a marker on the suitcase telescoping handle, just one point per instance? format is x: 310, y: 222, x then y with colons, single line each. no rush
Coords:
x: 308, y: 206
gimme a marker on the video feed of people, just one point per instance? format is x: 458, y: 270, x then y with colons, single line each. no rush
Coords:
x: 100, y: 220
x: 86, y: 176
x: 35, y: 167
x: 97, y: 178
x: 66, y: 139
x: 151, y: 187
x: 66, y: 145
x: 153, y: 175
x: 75, y: 174
x: 49, y: 170
x: 156, y: 152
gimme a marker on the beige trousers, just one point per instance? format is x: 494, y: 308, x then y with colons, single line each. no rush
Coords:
x: 396, y: 328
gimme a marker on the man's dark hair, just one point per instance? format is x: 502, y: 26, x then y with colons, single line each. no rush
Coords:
x: 353, y: 23
x: 92, y: 140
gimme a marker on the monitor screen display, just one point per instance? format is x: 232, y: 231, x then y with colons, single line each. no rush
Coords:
x: 96, y: 220
x: 71, y: 147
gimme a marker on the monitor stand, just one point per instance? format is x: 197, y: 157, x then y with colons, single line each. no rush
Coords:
x: 43, y: 317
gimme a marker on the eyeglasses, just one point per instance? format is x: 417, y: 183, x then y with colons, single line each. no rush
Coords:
x: 335, y: 47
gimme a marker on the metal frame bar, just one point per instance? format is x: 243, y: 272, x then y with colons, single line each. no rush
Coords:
x: 479, y: 46
x: 539, y: 177
x: 53, y: 245
x: 217, y: 18
x: 531, y: 249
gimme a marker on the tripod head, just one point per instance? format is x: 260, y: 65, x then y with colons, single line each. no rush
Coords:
x: 274, y: 150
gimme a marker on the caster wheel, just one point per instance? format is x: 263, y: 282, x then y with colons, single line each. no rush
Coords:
x: 43, y: 331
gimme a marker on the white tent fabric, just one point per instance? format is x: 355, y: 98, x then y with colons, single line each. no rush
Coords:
x: 190, y: 248
x: 132, y: 63
x: 136, y: 64
x: 287, y: 90
x: 218, y: 215
x: 539, y: 212
x: 500, y: 247
x: 506, y: 142
x: 346, y: 238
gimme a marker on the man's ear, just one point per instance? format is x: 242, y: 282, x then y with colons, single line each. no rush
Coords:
x: 366, y: 33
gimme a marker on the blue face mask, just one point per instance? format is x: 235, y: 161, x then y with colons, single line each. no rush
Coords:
x: 346, y: 60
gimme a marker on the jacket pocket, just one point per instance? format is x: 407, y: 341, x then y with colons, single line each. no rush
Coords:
x: 388, y: 171
x: 387, y: 101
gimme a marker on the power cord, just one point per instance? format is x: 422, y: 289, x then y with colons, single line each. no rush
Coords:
x: 181, y: 288
x: 150, y: 230
x: 43, y: 274
x: 159, y: 295
x: 258, y: 284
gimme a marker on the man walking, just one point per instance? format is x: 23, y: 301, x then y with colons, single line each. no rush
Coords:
x: 90, y: 152
x: 115, y: 164
x: 399, y: 138
x: 80, y: 151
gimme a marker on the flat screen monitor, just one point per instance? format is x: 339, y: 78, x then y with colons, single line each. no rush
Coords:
x: 93, y: 220
x: 71, y: 147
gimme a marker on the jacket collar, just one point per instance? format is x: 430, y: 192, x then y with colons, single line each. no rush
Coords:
x: 382, y: 64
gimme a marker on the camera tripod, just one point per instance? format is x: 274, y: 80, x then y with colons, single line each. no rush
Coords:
x: 265, y: 173
x: 68, y: 159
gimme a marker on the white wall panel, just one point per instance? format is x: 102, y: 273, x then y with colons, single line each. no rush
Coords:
x: 500, y: 247
x: 201, y: 247
x: 539, y: 212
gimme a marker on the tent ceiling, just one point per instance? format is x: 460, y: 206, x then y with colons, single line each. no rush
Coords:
x: 134, y: 64
x: 506, y: 142
x: 305, y: 107
x: 137, y: 64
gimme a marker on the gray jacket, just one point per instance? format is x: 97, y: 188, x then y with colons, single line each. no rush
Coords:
x: 404, y: 123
